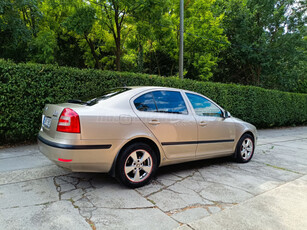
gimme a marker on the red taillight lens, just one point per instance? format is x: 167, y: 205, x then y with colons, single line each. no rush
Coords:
x: 69, y: 121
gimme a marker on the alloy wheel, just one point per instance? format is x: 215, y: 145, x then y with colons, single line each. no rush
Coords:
x: 247, y: 148
x: 138, y: 165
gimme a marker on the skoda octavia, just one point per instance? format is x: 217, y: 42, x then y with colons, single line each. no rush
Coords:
x: 131, y: 131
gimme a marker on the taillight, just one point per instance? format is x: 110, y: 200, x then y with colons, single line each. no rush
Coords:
x: 69, y: 121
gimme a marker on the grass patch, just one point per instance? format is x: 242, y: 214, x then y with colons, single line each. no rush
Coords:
x: 151, y: 201
x: 281, y: 168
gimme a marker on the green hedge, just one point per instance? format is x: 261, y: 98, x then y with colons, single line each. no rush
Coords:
x: 26, y: 88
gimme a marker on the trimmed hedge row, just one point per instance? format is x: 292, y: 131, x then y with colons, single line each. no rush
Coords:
x: 26, y: 88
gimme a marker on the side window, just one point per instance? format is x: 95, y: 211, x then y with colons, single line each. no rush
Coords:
x: 204, y: 107
x: 170, y: 102
x: 145, y: 103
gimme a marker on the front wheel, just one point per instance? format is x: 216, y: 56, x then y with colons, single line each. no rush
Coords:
x: 245, y: 149
x: 137, y: 164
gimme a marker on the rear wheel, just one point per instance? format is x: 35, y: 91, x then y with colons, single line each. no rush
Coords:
x: 137, y: 164
x: 245, y: 149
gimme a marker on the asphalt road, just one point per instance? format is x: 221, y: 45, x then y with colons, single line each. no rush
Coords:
x: 269, y: 192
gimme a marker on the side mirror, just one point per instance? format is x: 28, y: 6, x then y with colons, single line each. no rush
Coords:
x: 226, y: 114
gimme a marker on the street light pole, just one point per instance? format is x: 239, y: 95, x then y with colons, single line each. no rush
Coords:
x: 181, y: 39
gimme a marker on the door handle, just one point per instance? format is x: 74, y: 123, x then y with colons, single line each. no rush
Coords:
x: 154, y: 122
x: 202, y: 123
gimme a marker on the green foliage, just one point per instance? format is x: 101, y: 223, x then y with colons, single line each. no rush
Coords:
x: 202, y: 31
x: 44, y: 47
x: 250, y: 42
x: 26, y: 88
x: 267, y: 48
x: 14, y: 33
x: 81, y: 22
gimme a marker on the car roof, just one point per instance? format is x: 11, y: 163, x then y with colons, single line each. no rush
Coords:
x: 142, y: 88
x: 135, y: 90
x: 139, y: 89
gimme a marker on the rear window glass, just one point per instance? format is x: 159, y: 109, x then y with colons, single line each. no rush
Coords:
x: 170, y: 102
x: 105, y: 95
x: 145, y: 103
x: 161, y: 101
x: 112, y: 92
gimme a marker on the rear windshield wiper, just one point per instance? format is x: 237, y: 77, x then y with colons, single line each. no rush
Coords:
x: 92, y: 102
x: 77, y: 101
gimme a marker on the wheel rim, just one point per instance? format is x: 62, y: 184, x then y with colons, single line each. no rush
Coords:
x: 247, y: 148
x: 138, y: 166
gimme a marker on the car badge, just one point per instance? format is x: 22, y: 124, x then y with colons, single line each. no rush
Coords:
x: 55, y: 113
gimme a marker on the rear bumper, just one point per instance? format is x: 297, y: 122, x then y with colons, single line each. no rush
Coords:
x: 79, y: 158
x: 68, y: 146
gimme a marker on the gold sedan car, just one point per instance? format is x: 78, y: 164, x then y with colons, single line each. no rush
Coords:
x: 130, y: 132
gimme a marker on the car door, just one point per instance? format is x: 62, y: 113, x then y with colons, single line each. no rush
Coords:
x: 165, y: 113
x: 216, y: 134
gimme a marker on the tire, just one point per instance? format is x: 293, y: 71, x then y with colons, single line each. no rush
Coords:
x: 132, y: 170
x: 245, y: 149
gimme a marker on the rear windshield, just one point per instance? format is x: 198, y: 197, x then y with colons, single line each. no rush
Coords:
x: 112, y: 92
x: 105, y: 95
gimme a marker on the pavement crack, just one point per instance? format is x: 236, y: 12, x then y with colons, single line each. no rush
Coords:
x: 190, y: 227
x: 226, y: 184
x: 91, y: 223
x: 32, y: 205
x: 57, y: 187
x: 216, y: 202
x: 157, y: 207
x: 75, y: 190
x: 175, y: 211
x: 134, y: 208
x: 167, y: 186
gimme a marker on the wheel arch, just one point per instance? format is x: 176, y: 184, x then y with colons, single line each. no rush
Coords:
x: 250, y: 133
x: 146, y: 140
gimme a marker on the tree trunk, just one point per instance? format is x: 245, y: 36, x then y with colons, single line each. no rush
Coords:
x: 91, y: 45
x: 258, y: 75
x: 117, y: 39
x: 140, y: 58
x: 33, y: 23
x: 157, y: 61
x: 172, y: 68
x: 118, y: 54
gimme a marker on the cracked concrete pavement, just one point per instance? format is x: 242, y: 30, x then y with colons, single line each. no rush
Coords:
x: 269, y: 192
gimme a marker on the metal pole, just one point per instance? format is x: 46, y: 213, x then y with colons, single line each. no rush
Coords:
x: 181, y: 39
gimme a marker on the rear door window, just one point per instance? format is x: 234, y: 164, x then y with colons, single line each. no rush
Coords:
x: 161, y: 101
x: 169, y: 102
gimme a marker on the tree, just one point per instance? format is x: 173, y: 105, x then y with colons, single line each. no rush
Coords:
x: 204, y: 39
x: 14, y: 32
x: 267, y: 44
x: 55, y: 12
x: 44, y: 46
x: 259, y: 42
x: 200, y: 52
x: 81, y: 23
x: 114, y: 13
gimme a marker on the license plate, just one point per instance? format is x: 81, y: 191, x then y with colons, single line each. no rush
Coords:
x: 47, y: 122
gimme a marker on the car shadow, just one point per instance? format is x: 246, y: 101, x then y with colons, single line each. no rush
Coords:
x: 99, y: 180
x: 192, y: 165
